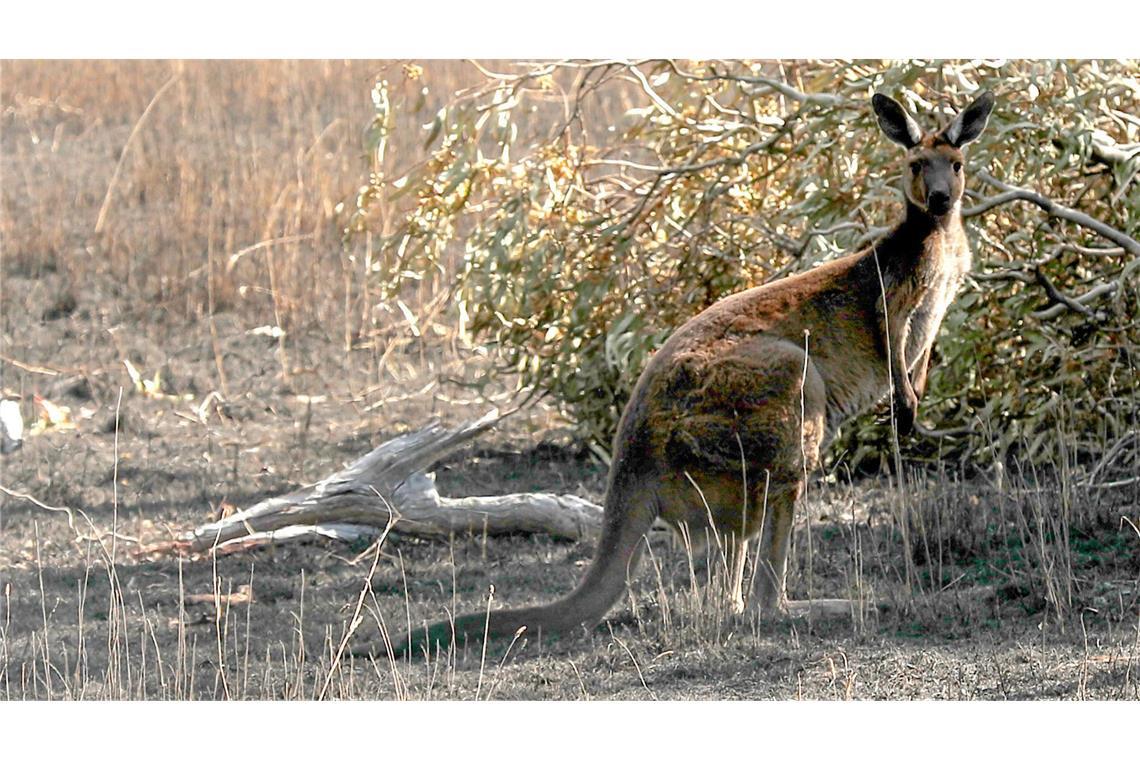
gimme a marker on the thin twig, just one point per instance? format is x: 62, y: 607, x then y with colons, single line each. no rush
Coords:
x: 38, y: 369
x: 924, y: 431
x: 357, y: 619
x: 70, y: 517
x: 126, y: 150
x: 235, y: 258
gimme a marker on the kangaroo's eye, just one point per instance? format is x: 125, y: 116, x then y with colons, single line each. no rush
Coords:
x: 957, y: 166
x: 915, y: 168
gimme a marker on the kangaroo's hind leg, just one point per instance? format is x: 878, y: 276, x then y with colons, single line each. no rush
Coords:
x: 801, y: 444
x: 769, y: 591
x: 770, y: 577
x: 709, y: 508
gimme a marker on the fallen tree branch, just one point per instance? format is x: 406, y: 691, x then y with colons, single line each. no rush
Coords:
x: 785, y: 89
x: 390, y: 486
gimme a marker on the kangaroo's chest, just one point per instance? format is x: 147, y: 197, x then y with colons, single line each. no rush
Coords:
x: 938, y: 287
x: 927, y: 318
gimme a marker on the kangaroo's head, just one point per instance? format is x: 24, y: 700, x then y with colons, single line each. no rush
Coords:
x: 933, y: 180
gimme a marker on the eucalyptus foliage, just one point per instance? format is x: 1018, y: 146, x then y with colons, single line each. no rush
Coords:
x: 579, y: 238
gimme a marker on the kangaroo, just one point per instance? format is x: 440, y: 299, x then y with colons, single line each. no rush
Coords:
x: 731, y: 414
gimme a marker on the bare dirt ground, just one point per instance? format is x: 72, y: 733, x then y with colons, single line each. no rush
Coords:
x: 144, y: 467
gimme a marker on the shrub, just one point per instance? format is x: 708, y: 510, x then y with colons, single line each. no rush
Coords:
x: 588, y: 237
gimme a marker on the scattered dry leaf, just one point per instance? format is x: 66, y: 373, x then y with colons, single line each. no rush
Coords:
x: 152, y: 387
x: 52, y: 416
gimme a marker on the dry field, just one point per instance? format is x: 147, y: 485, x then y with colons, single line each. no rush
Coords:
x: 159, y: 214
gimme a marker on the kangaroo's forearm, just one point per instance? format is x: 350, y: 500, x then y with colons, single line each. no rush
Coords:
x: 918, y: 375
x: 896, y: 339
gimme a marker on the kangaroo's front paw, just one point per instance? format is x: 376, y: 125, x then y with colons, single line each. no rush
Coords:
x: 906, y: 410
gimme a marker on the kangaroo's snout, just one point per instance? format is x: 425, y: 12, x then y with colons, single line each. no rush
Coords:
x: 938, y: 201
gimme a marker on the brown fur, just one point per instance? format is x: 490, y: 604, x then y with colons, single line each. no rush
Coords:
x: 732, y: 413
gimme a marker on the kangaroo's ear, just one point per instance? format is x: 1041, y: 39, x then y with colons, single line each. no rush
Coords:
x: 968, y: 124
x: 895, y: 121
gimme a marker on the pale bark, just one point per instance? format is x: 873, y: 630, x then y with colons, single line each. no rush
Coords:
x: 390, y: 484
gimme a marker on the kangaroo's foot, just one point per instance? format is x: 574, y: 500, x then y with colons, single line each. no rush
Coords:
x: 786, y: 609
x: 822, y: 608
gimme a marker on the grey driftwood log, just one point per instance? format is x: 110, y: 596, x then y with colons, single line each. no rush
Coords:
x: 391, y: 487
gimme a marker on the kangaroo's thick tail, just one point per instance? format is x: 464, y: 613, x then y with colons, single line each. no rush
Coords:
x: 628, y: 517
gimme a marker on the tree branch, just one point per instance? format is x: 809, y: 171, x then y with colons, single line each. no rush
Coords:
x: 1105, y: 150
x: 1011, y: 193
x: 1059, y: 298
x: 1062, y: 302
x: 818, y: 98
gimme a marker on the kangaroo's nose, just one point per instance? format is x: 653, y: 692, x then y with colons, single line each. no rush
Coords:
x: 938, y: 201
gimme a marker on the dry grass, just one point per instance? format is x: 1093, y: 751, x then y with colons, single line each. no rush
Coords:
x: 201, y: 186
x: 130, y: 630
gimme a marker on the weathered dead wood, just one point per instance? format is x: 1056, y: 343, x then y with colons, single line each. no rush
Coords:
x: 391, y: 484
